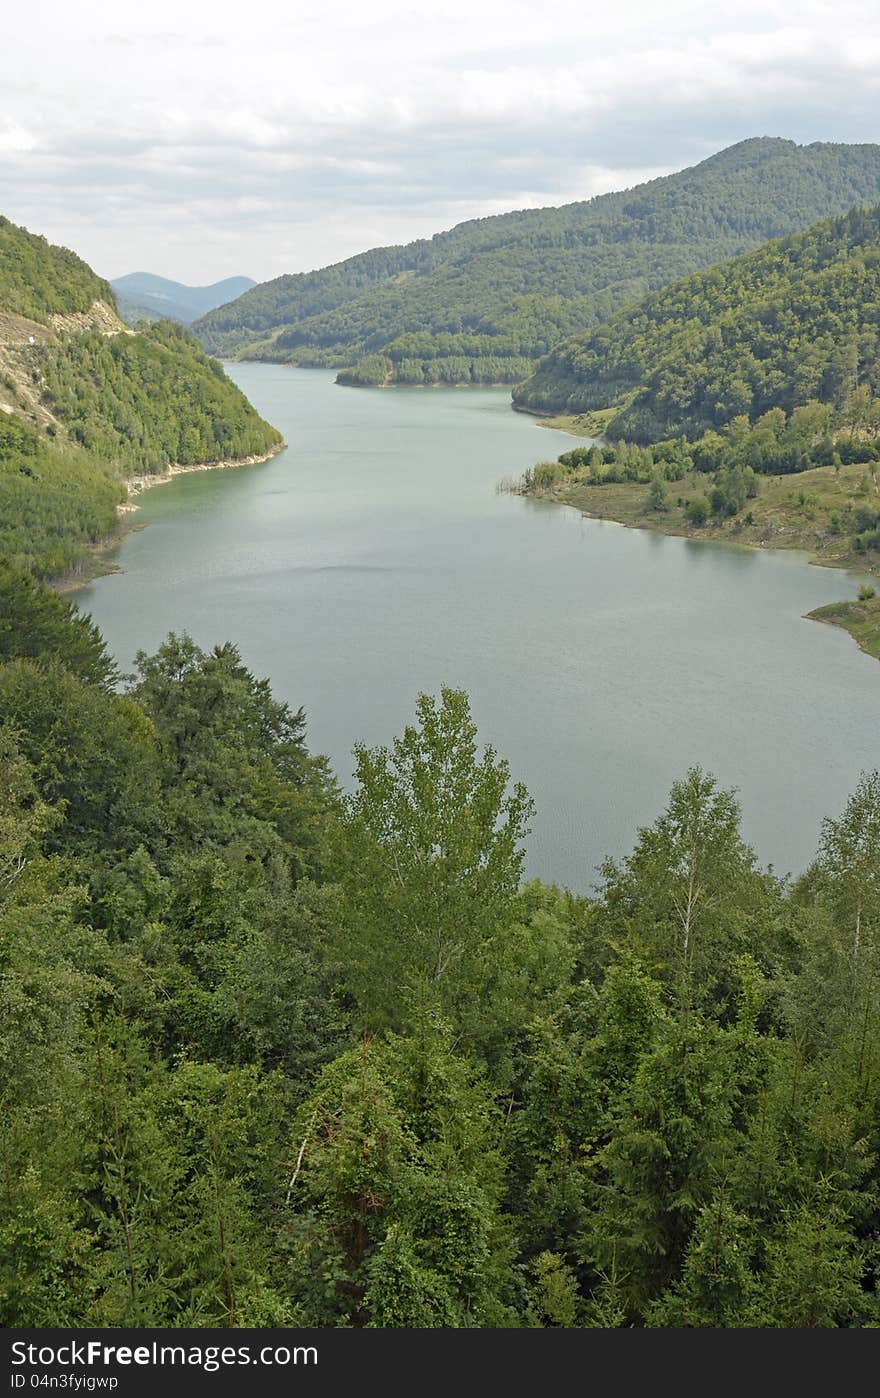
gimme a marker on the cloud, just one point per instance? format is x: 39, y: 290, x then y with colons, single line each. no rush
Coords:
x: 16, y: 139
x: 214, y: 139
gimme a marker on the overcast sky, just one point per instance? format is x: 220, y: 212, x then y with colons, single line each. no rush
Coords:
x: 201, y: 139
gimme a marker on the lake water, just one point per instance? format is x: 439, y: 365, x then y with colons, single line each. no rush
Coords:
x: 374, y: 558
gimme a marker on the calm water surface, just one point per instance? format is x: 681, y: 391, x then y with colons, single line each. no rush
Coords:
x: 374, y: 559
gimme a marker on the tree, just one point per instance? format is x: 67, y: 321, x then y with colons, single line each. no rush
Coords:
x: 658, y: 499
x: 92, y: 753
x: 233, y: 757
x: 690, y: 891
x: 697, y: 511
x: 718, y: 1283
x: 430, y: 861
x: 36, y: 623
x: 669, y: 1136
x: 393, y: 1200
x: 849, y: 859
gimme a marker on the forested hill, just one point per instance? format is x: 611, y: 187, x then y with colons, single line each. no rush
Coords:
x: 39, y: 280
x: 484, y: 300
x: 85, y: 402
x: 795, y: 321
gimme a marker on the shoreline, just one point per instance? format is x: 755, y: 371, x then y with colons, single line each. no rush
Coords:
x: 136, y: 485
x: 99, y: 565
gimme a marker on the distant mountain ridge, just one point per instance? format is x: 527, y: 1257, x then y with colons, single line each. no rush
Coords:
x: 143, y: 295
x: 487, y: 299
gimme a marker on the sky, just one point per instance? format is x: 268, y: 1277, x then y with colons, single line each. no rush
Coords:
x: 200, y: 139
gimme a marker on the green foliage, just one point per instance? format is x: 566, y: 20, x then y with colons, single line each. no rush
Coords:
x: 690, y: 893
x: 150, y: 399
x: 658, y: 496
x: 399, y: 1205
x: 54, y: 502
x: 36, y: 622
x: 233, y: 759
x: 430, y: 864
x: 91, y: 753
x: 481, y: 302
x: 38, y: 280
x: 655, y: 1107
x: 789, y: 325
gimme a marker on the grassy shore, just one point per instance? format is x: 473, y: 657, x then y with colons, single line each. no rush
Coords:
x: 593, y: 424
x: 860, y: 619
x: 795, y: 512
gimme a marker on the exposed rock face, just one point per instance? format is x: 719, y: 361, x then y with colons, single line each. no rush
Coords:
x: 99, y: 317
x: 20, y: 343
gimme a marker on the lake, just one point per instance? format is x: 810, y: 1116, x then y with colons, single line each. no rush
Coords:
x: 375, y: 558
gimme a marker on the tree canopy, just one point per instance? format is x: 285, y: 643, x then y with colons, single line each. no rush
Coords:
x: 791, y: 324
x: 278, y: 1057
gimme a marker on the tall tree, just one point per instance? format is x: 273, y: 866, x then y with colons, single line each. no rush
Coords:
x: 430, y: 861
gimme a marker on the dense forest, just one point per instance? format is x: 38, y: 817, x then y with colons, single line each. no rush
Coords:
x: 146, y: 400
x: 481, y: 302
x: 83, y: 408
x: 278, y: 1056
x: 38, y: 279
x: 793, y: 323
x: 52, y: 500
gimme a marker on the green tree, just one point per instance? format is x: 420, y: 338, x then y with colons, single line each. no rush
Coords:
x: 690, y: 892
x: 697, y: 511
x: 849, y: 861
x: 234, y: 762
x: 430, y: 861
x: 37, y: 623
x: 658, y: 497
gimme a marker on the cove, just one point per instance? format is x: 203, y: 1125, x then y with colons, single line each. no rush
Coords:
x: 375, y: 558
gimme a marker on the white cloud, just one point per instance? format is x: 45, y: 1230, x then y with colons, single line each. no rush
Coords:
x: 16, y: 139
x: 212, y: 138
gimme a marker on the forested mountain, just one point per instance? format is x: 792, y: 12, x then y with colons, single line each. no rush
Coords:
x: 275, y: 1057
x: 481, y: 302
x: 796, y: 321
x: 144, y: 296
x: 84, y: 402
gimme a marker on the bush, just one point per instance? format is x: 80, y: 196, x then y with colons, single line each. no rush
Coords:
x: 697, y: 511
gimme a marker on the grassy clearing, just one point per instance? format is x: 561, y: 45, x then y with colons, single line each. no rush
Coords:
x: 796, y: 511
x: 860, y: 619
x: 594, y: 424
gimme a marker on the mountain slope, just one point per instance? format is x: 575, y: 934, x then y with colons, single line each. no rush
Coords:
x: 483, y: 301
x: 796, y: 320
x: 85, y: 402
x: 38, y: 280
x: 143, y: 296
